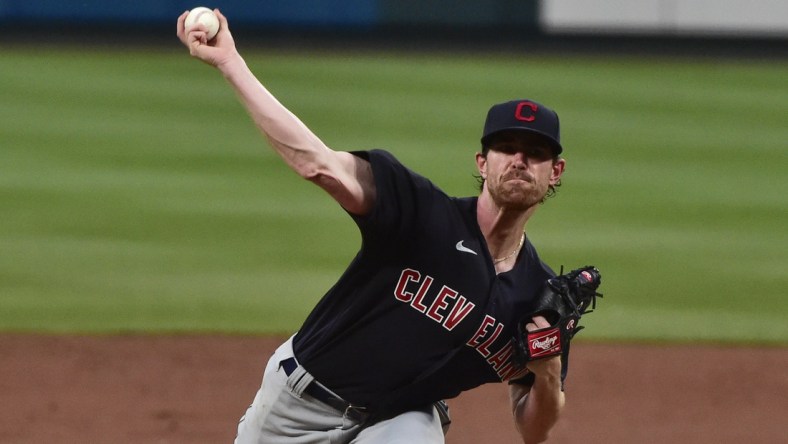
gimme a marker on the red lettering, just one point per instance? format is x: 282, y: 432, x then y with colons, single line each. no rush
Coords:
x: 417, y: 301
x: 440, y: 303
x: 439, y: 307
x: 406, y: 276
x: 501, y: 357
x: 486, y: 323
x: 458, y: 313
x: 483, y: 348
x: 518, y: 114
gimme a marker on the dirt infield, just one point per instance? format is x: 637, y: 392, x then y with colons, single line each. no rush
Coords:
x: 146, y: 389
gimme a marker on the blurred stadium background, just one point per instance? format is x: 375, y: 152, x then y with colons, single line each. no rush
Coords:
x: 129, y: 203
x: 729, y: 25
x: 150, y: 243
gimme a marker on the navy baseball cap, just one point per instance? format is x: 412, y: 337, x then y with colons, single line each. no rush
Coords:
x: 524, y: 115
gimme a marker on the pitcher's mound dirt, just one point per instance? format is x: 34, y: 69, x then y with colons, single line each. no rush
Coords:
x: 179, y: 389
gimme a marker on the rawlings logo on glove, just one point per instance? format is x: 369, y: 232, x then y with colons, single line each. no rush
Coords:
x: 563, y: 301
x: 546, y: 343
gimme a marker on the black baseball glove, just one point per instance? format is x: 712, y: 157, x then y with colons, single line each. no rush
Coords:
x: 563, y: 301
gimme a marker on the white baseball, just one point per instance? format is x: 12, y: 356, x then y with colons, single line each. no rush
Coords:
x: 205, y: 17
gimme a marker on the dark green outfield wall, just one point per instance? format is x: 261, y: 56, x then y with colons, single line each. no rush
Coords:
x: 460, y: 12
x: 335, y: 13
x: 420, y: 24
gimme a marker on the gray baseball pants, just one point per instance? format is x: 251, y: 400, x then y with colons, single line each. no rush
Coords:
x: 282, y: 413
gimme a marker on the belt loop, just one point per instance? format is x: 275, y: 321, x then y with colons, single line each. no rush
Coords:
x: 358, y: 414
x: 299, y: 380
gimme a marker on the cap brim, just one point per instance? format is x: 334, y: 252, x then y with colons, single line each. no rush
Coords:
x: 554, y: 145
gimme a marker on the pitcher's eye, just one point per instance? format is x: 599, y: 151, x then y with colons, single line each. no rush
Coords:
x: 507, y: 148
x: 538, y: 152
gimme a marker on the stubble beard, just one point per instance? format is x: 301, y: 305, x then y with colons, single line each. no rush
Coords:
x: 517, y: 196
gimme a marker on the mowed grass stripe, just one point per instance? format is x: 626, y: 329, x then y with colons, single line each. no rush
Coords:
x: 137, y: 196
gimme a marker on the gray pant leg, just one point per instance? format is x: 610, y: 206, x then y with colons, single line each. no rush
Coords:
x: 422, y: 427
x: 280, y: 415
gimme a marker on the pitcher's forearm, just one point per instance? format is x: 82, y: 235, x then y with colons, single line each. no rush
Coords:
x: 287, y: 134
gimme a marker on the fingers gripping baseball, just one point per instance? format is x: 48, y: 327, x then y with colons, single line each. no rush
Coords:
x: 214, y: 51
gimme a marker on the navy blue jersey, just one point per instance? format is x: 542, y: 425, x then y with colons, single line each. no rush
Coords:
x: 420, y: 314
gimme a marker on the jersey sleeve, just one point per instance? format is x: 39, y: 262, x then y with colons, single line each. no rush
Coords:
x: 403, y: 201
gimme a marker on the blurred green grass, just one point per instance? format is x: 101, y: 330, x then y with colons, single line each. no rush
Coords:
x: 137, y: 196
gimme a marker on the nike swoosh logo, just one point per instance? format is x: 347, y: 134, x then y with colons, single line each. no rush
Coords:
x: 463, y: 248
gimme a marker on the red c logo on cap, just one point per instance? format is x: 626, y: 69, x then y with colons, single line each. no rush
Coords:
x: 518, y: 113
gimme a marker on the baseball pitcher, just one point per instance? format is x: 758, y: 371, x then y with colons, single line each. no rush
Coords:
x: 445, y: 294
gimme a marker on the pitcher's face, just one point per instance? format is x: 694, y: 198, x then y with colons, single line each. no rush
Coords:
x: 519, y: 169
